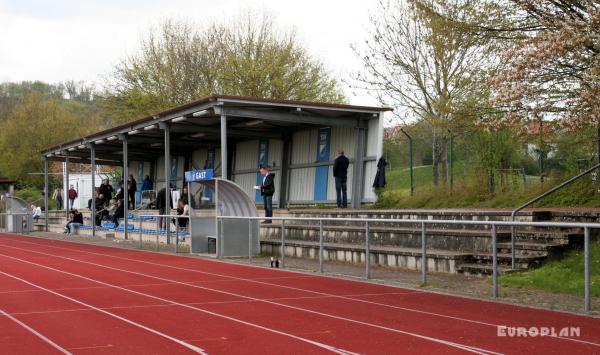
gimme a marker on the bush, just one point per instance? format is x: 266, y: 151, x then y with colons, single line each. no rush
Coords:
x: 30, y: 194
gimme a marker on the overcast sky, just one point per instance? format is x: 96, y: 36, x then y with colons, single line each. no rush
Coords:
x: 63, y: 40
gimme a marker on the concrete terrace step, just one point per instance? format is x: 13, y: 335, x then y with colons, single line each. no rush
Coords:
x: 381, y: 229
x: 521, y: 261
x: 409, y: 258
x: 483, y: 269
x: 442, y: 239
x: 530, y: 248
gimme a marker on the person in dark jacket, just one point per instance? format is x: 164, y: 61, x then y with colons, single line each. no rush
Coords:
x: 120, y: 191
x: 106, y: 190
x: 267, y: 190
x: 119, y: 212
x: 131, y: 190
x: 147, y: 183
x: 75, y: 221
x: 380, y: 176
x: 101, y: 212
x: 161, y: 204
x: 340, y: 173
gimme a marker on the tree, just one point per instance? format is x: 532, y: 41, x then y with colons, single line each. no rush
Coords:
x: 178, y: 63
x: 414, y: 62
x: 37, y: 122
x: 552, y: 72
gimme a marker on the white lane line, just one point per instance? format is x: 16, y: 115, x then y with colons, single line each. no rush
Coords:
x: 414, y: 310
x: 180, y: 342
x: 170, y: 305
x: 35, y: 332
x: 84, y: 288
x: 318, y: 344
x: 432, y: 339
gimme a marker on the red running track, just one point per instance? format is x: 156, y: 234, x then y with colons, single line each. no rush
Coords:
x: 65, y: 297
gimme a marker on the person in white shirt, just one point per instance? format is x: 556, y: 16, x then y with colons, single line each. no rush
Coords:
x: 36, y: 212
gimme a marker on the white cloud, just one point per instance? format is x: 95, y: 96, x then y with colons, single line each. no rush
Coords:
x: 83, y: 40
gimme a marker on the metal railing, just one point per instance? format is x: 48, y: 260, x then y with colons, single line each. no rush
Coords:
x: 587, y: 227
x: 21, y: 223
x: 513, y: 214
x: 167, y: 225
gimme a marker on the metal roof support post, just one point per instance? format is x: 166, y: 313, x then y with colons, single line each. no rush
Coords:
x: 125, y: 186
x: 93, y: 206
x: 224, y: 146
x: 285, y: 172
x: 66, y: 186
x: 359, y: 166
x: 45, y: 193
x: 165, y: 126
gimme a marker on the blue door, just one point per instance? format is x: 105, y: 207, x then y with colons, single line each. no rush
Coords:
x: 322, y: 172
x: 263, y: 159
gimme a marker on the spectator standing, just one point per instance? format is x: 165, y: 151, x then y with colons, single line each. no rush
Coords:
x: 58, y: 197
x: 161, y: 204
x: 36, y: 212
x: 340, y: 173
x: 120, y: 190
x: 131, y: 190
x: 267, y: 190
x: 72, y: 196
x: 106, y: 189
x: 147, y: 183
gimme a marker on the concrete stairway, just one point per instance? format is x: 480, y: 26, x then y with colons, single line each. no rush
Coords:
x: 468, y: 247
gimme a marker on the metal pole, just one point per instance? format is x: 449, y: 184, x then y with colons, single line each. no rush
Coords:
x: 176, y: 235
x: 157, y: 230
x: 513, y: 234
x: 587, y: 302
x: 410, y: 160
x: 423, y: 253
x: 141, y: 243
x: 221, y: 234
x: 494, y: 263
x: 223, y: 146
x: 167, y: 176
x: 320, y: 245
x: 93, y: 206
x: 250, y: 239
x: 65, y: 196
x: 282, y: 244
x: 367, y: 252
x: 45, y: 193
x: 125, y: 187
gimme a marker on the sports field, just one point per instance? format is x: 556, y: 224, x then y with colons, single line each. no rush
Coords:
x: 66, y: 297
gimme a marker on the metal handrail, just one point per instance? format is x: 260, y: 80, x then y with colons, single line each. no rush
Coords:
x: 423, y: 223
x: 513, y: 214
x: 426, y: 221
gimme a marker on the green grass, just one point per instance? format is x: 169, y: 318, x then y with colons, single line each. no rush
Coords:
x: 561, y: 276
x: 470, y: 192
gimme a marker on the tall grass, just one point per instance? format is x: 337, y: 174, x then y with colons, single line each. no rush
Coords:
x: 564, y: 276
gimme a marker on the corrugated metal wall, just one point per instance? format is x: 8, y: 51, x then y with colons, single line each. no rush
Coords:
x: 371, y: 166
x: 304, y: 151
x: 160, y: 172
x: 247, y: 159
